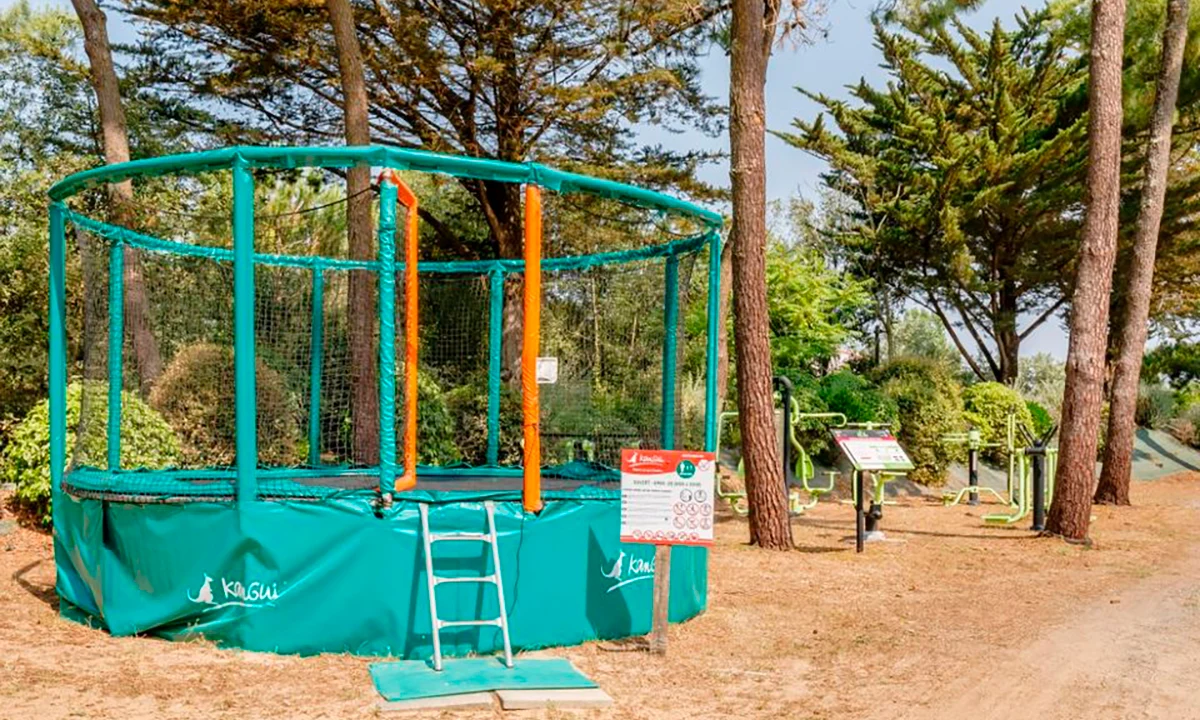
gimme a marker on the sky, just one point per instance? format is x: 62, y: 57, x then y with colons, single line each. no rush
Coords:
x: 839, y: 56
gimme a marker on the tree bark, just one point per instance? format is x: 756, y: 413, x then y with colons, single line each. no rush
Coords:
x: 364, y: 374
x: 1008, y: 339
x: 115, y: 138
x: 1118, y: 447
x: 1070, y: 512
x: 752, y: 30
x: 501, y: 203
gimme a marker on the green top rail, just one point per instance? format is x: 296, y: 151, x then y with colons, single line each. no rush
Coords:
x: 382, y: 156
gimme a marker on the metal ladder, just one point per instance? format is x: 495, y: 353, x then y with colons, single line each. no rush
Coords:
x: 432, y: 581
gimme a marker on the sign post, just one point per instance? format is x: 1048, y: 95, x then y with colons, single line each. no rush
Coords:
x: 871, y: 451
x: 666, y: 499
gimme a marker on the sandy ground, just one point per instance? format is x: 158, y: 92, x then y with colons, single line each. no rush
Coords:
x: 947, y: 619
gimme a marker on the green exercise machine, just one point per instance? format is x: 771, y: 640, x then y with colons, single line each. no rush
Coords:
x: 1031, y: 472
x: 798, y: 470
x: 973, y: 439
x: 1032, y: 481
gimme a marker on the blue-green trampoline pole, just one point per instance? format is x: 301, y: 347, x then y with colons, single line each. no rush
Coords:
x: 317, y: 344
x: 116, y: 341
x: 495, y: 340
x: 58, y: 353
x: 714, y: 320
x: 670, y: 339
x: 387, y: 338
x: 245, y: 392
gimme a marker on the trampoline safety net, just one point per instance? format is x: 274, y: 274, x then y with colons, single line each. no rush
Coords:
x: 625, y: 295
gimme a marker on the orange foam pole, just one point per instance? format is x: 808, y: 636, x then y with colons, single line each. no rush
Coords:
x: 408, y: 199
x: 531, y: 491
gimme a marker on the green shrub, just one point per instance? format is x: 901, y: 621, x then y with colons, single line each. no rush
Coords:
x: 1155, y: 405
x: 1042, y: 420
x: 146, y: 441
x: 196, y: 395
x: 929, y: 403
x: 436, y: 430
x: 986, y: 407
x: 1187, y: 396
x: 812, y: 433
x: 857, y: 398
x: 468, y: 405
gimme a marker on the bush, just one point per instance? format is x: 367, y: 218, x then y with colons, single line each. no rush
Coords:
x: 1155, y: 405
x: 1185, y: 427
x: 1041, y: 378
x: 986, y: 407
x: 467, y: 406
x: 929, y: 403
x: 195, y: 394
x: 857, y: 398
x: 1042, y: 420
x: 146, y: 441
x: 436, y: 430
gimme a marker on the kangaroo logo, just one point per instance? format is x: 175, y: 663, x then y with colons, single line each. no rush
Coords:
x: 615, y: 573
x: 234, y: 593
x: 205, y: 596
x: 637, y: 569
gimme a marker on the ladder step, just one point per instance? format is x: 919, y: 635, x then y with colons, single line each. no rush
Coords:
x: 467, y: 623
x: 477, y: 537
x: 439, y: 579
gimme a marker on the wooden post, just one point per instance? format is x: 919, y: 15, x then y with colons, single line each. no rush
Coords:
x: 662, y: 598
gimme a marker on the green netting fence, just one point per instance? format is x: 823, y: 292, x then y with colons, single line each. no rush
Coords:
x: 627, y: 309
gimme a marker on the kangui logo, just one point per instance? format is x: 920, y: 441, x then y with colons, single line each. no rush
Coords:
x: 623, y: 573
x: 641, y: 461
x: 234, y: 593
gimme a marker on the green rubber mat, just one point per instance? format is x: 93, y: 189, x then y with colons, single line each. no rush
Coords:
x: 414, y: 679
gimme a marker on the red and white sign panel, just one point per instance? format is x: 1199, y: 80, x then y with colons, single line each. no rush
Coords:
x: 872, y: 449
x: 667, y: 497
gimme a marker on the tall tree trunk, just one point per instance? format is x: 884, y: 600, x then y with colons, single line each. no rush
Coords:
x: 364, y: 375
x: 1118, y: 447
x: 501, y: 203
x: 752, y: 32
x: 1084, y: 394
x: 1008, y: 338
x: 116, y: 150
x: 887, y: 314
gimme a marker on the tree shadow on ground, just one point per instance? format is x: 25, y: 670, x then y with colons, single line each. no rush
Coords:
x: 1147, y: 438
x: 849, y: 526
x: 43, y: 593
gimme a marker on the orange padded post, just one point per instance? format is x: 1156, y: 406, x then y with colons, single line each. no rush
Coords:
x: 408, y: 199
x: 531, y: 491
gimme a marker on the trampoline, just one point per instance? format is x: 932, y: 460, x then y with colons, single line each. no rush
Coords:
x: 247, y: 413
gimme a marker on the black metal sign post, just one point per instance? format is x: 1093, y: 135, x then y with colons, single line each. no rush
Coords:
x: 1036, y: 452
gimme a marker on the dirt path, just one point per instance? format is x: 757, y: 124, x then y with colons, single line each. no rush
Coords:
x: 1134, y: 655
x: 950, y: 619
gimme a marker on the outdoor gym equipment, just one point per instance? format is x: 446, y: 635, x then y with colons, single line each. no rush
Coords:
x: 798, y: 469
x: 974, y: 442
x: 874, y: 455
x: 284, y: 511
x: 1033, y: 484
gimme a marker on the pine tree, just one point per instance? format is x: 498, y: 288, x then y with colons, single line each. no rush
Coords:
x: 962, y: 182
x: 1118, y: 447
x: 364, y: 393
x: 115, y: 141
x: 1070, y: 511
x: 753, y: 35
